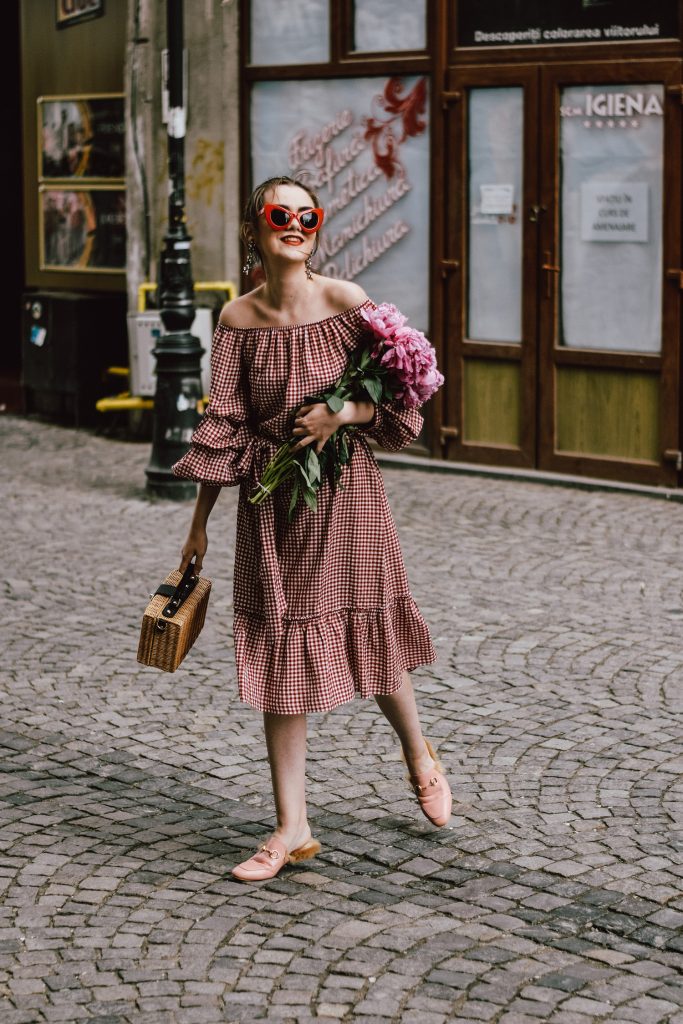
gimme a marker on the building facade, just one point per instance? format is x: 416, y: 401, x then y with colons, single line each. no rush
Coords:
x: 507, y: 172
x: 509, y: 175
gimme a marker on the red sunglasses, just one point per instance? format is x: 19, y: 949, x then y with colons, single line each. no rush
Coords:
x: 279, y: 218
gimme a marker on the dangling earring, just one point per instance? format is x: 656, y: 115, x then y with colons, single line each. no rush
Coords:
x: 309, y: 268
x: 251, y: 258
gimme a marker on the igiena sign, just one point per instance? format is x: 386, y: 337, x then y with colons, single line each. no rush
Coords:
x: 621, y: 107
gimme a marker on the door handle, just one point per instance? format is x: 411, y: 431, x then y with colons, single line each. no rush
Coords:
x: 536, y: 212
x: 677, y: 276
x: 550, y: 269
x: 448, y: 266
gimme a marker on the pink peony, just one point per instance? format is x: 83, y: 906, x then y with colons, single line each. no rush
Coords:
x: 384, y: 319
x: 405, y: 353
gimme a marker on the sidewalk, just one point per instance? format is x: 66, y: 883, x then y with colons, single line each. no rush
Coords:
x: 127, y: 794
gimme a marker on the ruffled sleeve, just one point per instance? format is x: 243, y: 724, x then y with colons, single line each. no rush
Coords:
x: 222, y: 447
x: 392, y: 426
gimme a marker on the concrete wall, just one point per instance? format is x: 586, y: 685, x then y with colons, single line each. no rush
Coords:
x: 211, y: 151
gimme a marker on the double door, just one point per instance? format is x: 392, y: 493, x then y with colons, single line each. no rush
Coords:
x: 561, y: 268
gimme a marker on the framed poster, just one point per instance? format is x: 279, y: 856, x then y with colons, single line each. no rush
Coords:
x: 81, y: 137
x: 82, y: 229
x: 70, y: 12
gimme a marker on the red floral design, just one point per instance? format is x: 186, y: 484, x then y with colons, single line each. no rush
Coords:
x: 408, y: 109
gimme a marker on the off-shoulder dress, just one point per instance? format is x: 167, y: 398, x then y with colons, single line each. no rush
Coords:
x: 322, y: 607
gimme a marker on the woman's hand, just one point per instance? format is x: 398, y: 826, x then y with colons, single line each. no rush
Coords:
x: 315, y: 423
x: 194, y: 547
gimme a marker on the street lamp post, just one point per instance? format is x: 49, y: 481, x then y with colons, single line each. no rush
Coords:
x: 178, y: 352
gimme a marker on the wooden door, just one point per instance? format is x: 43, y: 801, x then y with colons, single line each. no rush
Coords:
x: 490, y: 265
x: 562, y: 268
x: 609, y: 309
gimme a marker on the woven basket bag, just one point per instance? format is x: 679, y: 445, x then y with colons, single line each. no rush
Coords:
x: 173, y: 619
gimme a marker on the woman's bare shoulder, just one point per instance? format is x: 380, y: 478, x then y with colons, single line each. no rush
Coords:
x: 343, y: 295
x: 240, y: 312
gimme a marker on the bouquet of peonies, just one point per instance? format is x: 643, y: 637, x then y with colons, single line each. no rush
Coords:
x: 398, y: 364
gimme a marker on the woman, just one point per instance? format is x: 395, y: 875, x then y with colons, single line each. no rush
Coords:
x: 322, y: 607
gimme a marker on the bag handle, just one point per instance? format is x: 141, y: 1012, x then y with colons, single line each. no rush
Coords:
x: 178, y: 595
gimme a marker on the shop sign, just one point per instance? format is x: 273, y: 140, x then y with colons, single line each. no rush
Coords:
x: 70, y: 12
x: 614, y: 212
x: 363, y: 145
x: 558, y: 22
x: 613, y: 108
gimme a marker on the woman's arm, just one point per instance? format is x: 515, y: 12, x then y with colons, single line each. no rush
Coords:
x: 197, y: 542
x: 357, y: 412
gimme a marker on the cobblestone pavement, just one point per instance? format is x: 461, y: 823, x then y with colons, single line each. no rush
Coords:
x: 127, y: 794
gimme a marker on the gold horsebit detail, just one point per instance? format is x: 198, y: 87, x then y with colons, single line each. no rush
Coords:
x: 273, y: 854
x: 432, y: 782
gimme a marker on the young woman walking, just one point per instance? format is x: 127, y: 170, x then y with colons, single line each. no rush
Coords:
x: 322, y: 607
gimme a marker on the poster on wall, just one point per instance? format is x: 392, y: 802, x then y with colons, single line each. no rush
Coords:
x: 71, y: 12
x: 83, y: 229
x: 556, y: 22
x: 81, y: 137
x: 363, y: 145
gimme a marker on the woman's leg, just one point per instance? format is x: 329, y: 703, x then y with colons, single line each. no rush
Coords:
x: 400, y: 710
x: 286, y: 743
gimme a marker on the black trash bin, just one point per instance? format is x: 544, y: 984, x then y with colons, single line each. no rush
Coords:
x: 68, y: 341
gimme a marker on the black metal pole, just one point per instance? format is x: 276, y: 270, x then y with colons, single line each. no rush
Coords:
x: 178, y: 352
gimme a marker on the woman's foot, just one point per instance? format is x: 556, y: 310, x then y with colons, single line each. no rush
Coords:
x: 430, y: 785
x: 283, y: 847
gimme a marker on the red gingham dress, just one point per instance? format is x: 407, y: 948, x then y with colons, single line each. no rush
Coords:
x: 322, y: 608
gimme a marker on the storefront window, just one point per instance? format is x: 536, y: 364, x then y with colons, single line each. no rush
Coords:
x: 496, y: 132
x: 301, y: 36
x: 611, y: 217
x: 390, y: 25
x: 363, y: 144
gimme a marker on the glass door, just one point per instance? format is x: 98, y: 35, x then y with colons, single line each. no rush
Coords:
x: 562, y: 268
x: 489, y: 267
x: 609, y: 296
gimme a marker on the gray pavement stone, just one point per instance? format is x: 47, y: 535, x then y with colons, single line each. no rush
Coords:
x: 126, y: 795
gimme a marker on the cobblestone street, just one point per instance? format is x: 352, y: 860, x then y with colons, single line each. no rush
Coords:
x: 127, y: 794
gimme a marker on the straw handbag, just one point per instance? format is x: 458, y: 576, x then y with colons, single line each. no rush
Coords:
x: 173, y: 619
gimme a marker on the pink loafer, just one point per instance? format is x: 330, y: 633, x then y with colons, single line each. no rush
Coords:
x: 433, y: 792
x: 271, y: 858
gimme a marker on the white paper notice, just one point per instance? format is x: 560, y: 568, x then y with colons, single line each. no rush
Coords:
x: 614, y: 211
x: 498, y: 199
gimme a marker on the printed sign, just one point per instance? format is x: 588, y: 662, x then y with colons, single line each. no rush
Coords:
x: 498, y: 199
x: 363, y: 145
x: 70, y: 12
x: 614, y: 212
x: 557, y: 22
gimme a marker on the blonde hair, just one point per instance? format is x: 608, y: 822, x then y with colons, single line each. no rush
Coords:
x: 249, y: 225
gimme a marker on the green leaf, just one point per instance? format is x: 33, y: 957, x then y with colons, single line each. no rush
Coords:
x: 373, y: 388
x: 312, y: 465
x: 293, y: 500
x: 303, y: 473
x: 310, y: 498
x: 335, y: 403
